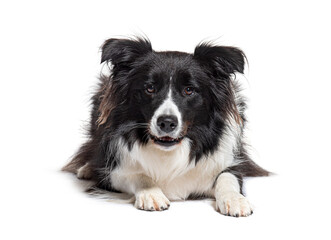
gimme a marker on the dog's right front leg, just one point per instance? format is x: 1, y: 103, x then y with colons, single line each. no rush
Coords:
x: 148, y: 195
x: 151, y: 199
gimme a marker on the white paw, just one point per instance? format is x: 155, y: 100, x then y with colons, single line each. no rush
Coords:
x: 234, y: 204
x: 151, y: 199
x: 84, y: 172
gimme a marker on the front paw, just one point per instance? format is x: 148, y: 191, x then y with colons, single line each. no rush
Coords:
x: 151, y: 199
x: 234, y: 204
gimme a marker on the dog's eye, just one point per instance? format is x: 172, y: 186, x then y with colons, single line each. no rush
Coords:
x: 188, y: 91
x: 150, y: 89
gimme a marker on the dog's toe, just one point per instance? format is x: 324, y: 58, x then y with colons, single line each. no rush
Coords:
x: 234, y: 204
x: 151, y: 199
x: 84, y: 172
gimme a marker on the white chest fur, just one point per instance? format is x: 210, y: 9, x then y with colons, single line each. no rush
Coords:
x: 172, y: 171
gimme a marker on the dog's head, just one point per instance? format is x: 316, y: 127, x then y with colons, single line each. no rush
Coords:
x: 165, y: 97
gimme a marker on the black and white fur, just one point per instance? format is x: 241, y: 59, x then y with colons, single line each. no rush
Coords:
x: 168, y: 126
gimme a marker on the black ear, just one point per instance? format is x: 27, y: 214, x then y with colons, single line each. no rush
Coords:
x: 220, y: 60
x: 123, y: 52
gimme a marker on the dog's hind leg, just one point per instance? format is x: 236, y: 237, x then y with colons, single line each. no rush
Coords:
x: 84, y: 172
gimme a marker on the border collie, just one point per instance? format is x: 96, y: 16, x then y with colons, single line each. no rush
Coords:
x: 168, y: 126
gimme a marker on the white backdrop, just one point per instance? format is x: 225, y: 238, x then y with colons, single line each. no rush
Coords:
x: 49, y: 61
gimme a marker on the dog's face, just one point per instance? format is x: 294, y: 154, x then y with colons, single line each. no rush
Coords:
x: 171, y: 95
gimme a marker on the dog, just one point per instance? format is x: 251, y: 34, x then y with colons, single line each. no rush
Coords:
x: 169, y: 126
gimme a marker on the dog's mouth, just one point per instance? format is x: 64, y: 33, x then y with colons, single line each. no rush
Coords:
x: 166, y: 141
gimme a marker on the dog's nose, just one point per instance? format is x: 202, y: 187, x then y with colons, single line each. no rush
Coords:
x: 167, y: 123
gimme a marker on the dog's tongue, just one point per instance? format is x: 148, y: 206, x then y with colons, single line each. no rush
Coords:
x: 166, y: 139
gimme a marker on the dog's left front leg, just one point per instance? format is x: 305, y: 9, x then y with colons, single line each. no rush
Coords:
x: 229, y: 200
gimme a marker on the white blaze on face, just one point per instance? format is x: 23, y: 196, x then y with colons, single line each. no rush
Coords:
x: 168, y: 107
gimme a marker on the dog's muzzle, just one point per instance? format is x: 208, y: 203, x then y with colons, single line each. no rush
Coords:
x: 167, y: 128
